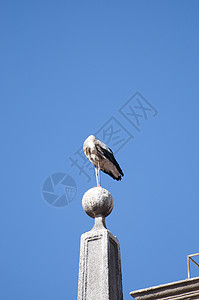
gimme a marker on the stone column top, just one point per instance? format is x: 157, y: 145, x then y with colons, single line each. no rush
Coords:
x: 98, y: 204
x: 100, y: 275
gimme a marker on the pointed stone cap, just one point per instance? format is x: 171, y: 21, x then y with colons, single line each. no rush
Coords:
x: 98, y: 203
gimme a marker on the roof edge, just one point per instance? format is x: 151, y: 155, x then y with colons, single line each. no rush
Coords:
x: 169, y: 289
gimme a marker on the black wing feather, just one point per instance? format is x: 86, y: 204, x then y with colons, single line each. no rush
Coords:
x: 111, y: 174
x: 110, y: 156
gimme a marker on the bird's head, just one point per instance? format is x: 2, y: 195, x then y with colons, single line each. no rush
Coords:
x: 91, y: 137
x: 89, y: 141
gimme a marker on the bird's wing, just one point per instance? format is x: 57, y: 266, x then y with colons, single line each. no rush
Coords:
x: 102, y: 145
x: 112, y: 175
x: 108, y: 153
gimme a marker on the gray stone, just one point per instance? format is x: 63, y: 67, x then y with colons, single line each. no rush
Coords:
x: 97, y: 201
x: 100, y: 276
x: 187, y: 289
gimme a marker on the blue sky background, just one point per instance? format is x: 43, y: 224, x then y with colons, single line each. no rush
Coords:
x: 66, y: 68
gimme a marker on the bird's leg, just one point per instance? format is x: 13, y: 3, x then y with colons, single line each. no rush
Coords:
x: 96, y: 174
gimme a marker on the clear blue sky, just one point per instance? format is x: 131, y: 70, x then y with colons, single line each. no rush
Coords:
x: 66, y: 68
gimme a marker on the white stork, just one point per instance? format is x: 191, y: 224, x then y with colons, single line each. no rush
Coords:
x: 102, y: 158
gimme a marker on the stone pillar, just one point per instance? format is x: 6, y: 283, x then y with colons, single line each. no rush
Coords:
x: 100, y: 276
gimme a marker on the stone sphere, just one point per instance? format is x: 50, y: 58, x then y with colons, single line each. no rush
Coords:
x: 97, y: 201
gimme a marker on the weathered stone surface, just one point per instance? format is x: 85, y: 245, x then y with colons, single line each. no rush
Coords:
x: 100, y: 267
x: 100, y: 276
x: 187, y: 289
x: 97, y: 201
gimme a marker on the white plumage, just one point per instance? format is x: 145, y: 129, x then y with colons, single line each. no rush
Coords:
x: 102, y: 158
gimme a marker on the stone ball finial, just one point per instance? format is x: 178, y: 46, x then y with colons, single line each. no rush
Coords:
x: 97, y: 201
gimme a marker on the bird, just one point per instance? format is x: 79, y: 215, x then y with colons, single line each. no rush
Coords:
x: 101, y: 156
